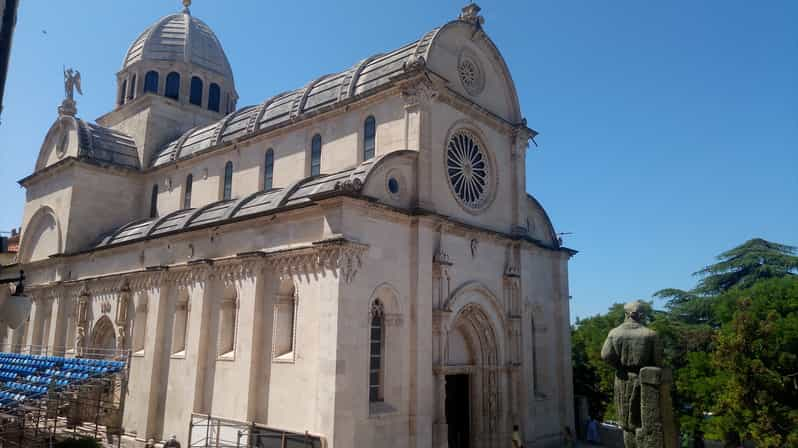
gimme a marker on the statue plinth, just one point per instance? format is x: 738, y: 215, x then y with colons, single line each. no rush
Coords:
x: 656, y: 410
x: 68, y: 107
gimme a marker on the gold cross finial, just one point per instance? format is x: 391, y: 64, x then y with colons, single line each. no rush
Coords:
x: 186, y: 4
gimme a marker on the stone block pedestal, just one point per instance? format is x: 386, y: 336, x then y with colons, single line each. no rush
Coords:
x: 658, y: 429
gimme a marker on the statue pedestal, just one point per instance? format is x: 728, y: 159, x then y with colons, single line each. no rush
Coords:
x: 658, y: 429
x: 68, y: 107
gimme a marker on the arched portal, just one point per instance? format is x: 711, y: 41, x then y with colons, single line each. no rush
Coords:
x: 471, y: 370
x: 103, y: 339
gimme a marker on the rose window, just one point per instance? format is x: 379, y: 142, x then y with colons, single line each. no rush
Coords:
x: 470, y: 75
x: 468, y: 169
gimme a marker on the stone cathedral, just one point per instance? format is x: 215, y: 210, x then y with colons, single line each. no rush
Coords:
x: 357, y: 258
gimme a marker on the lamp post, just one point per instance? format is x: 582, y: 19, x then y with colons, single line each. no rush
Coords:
x: 16, y: 308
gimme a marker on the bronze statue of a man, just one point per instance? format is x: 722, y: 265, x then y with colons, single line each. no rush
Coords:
x: 630, y: 347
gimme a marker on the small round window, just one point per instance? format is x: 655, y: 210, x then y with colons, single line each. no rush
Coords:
x: 468, y: 170
x: 393, y: 186
x: 470, y: 74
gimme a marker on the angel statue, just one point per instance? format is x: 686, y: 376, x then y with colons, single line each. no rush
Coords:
x: 71, y: 82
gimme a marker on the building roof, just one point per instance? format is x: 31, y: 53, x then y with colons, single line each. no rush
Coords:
x: 180, y: 37
x: 104, y: 145
x: 362, y: 79
x: 302, y: 192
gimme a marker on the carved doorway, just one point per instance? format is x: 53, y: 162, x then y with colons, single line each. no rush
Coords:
x: 471, y: 380
x: 458, y: 410
x: 103, y: 341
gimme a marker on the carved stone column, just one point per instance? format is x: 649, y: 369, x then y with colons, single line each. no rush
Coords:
x: 122, y: 321
x: 440, y: 434
x: 82, y: 321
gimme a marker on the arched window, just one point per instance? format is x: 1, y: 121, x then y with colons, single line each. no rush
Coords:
x: 214, y: 95
x: 284, y: 320
x: 187, y: 191
x: 369, y: 132
x: 228, y: 317
x: 154, y: 202
x: 227, y: 188
x: 376, y: 352
x: 315, y: 155
x: 536, y: 386
x: 172, y: 86
x: 268, y: 170
x: 140, y: 325
x: 151, y: 82
x: 196, y: 91
x: 180, y: 325
x: 122, y: 91
x: 132, y: 91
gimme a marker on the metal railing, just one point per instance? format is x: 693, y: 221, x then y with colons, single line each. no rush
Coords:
x: 206, y: 431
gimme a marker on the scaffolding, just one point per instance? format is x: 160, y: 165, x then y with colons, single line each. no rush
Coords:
x: 206, y: 431
x: 91, y: 408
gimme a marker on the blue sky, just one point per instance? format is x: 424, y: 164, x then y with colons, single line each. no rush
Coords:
x: 668, y: 130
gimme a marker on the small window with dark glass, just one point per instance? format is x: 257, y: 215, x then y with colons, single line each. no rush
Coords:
x: 172, y: 86
x: 214, y: 96
x: 187, y: 191
x: 151, y: 82
x: 132, y: 91
x: 227, y: 190
x: 393, y: 186
x: 122, y: 92
x: 268, y: 170
x: 369, y: 134
x: 195, y: 97
x: 315, y: 155
x: 154, y: 201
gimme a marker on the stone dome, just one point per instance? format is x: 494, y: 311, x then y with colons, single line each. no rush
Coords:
x: 183, y: 38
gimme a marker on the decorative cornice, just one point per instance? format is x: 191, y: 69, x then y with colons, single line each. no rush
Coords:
x: 418, y: 93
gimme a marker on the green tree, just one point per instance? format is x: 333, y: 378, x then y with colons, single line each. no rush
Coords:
x: 741, y: 267
x: 758, y: 350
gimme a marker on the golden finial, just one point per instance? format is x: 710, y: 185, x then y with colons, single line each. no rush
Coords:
x: 186, y: 4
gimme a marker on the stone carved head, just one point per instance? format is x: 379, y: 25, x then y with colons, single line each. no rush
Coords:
x: 634, y: 311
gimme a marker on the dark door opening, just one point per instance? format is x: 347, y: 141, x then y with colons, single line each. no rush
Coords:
x: 458, y: 411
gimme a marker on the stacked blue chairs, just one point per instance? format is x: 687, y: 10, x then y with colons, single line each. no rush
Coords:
x: 24, y: 377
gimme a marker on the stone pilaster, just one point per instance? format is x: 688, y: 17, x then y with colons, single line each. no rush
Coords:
x: 60, y: 311
x: 417, y: 100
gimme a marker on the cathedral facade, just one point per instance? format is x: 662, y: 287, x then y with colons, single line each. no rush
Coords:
x: 357, y: 258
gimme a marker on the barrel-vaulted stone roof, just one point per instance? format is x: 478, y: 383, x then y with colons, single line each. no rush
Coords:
x: 104, y: 145
x: 300, y: 193
x: 362, y: 79
x: 180, y: 37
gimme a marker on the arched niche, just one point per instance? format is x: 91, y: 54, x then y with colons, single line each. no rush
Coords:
x: 103, y: 339
x: 41, y: 237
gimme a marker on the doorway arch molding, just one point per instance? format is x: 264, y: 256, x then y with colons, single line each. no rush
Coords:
x: 103, y: 338
x: 473, y: 313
